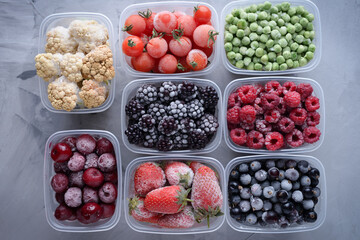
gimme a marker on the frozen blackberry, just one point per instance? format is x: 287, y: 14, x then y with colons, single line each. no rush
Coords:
x: 134, y: 109
x: 168, y: 126
x: 164, y: 143
x: 157, y: 111
x: 134, y: 134
x: 195, y: 109
x: 147, y: 123
x: 186, y: 125
x: 177, y: 109
x: 208, y: 123
x: 187, y: 91
x: 168, y: 91
x: 209, y: 97
x: 198, y: 139
x: 181, y: 141
x: 147, y: 94
x: 150, y: 139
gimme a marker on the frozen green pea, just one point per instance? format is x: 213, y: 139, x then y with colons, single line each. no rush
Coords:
x: 245, y: 41
x: 304, y: 22
x: 228, y: 37
x: 232, y: 29
x: 240, y: 33
x: 287, y: 54
x: 229, y: 18
x: 259, y: 52
x: 312, y: 34
x: 306, y: 42
x: 247, y: 61
x: 302, y: 62
x: 306, y: 34
x: 253, y: 8
x: 283, y: 30
x: 296, y: 64
x: 262, y: 15
x: 309, y: 55
x: 247, y: 31
x: 238, y: 56
x: 285, y: 6
x: 263, y: 46
x: 290, y: 63
x: 309, y: 27
x: 312, y: 47
x: 250, y: 66
x: 283, y: 67
x: 253, y: 37
x: 300, y: 49
x: 243, y: 50
x: 258, y: 66
x: 243, y: 15
x: 252, y: 17
x: 275, y: 66
x: 227, y: 26
x: 247, y: 9
x: 288, y: 37
x: 292, y: 11
x: 233, y: 61
x: 272, y: 24
x: 267, y: 29
x: 264, y: 59
x: 236, y: 49
x: 294, y: 56
x: 283, y: 43
x: 270, y: 43
x: 267, y: 5
x: 228, y: 47
x: 294, y: 46
x: 275, y: 34
x: 254, y: 44
x: 305, y: 48
x: 287, y: 48
x: 235, y: 12
x: 277, y: 48
x: 268, y: 67
x: 253, y: 26
x: 290, y: 42
x: 290, y: 28
x: 294, y: 19
x: 285, y: 17
x: 300, y: 10
x: 242, y: 24
x: 298, y: 27
x: 235, y: 21
x: 264, y: 23
x: 259, y: 30
x: 260, y: 7
x: 302, y: 32
x: 236, y: 41
x: 239, y: 64
x: 299, y: 38
x: 279, y: 59
x: 264, y: 38
x: 230, y: 55
x: 274, y: 17
x: 250, y: 52
x: 274, y: 9
x: 272, y: 56
x: 310, y: 17
x: 256, y: 60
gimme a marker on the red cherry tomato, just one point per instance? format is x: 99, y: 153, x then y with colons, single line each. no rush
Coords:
x: 180, y: 47
x: 204, y: 35
x: 148, y: 16
x: 179, y: 14
x: 188, y: 24
x: 143, y: 63
x: 167, y: 64
x: 202, y: 14
x: 207, y: 50
x: 196, y: 59
x: 165, y: 21
x: 157, y: 47
x: 132, y: 46
x: 134, y: 25
x: 182, y: 66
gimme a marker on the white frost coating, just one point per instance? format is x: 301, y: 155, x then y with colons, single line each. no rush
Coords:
x: 59, y: 41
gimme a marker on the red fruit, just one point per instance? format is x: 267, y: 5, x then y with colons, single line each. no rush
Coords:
x: 62, y: 213
x: 233, y: 115
x: 108, y: 210
x: 59, y: 182
x: 184, y: 219
x: 60, y: 198
x: 231, y: 126
x: 195, y: 166
x: 298, y: 115
x: 103, y: 145
x: 305, y: 90
x: 286, y: 125
x: 73, y: 197
x: 165, y: 21
x: 263, y: 126
x: 313, y: 119
x: 238, y: 136
x: 288, y: 87
x: 61, y: 152
x: 132, y: 46
x: 294, y: 138
x: 274, y: 87
x: 91, y: 161
x: 157, y: 47
x: 85, y: 144
x: 281, y: 107
x: 180, y: 47
x: 179, y: 14
x: 76, y: 162
x: 71, y: 141
x: 182, y: 65
x: 76, y: 179
x: 234, y: 100
x: 148, y: 16
x: 178, y: 173
x: 202, y: 14
x: 311, y: 134
x: 134, y: 25
x: 255, y: 140
x: 140, y: 213
x: 270, y: 101
x: 167, y: 200
x: 247, y: 94
x: 61, y: 167
x: 90, y: 195
x: 259, y: 88
x: 108, y: 193
x: 167, y: 64
x: 292, y: 99
x: 247, y: 114
x: 148, y: 176
x: 111, y: 177
x: 207, y: 50
x: 187, y: 23
x: 93, y: 177
x: 89, y: 213
x: 258, y: 106
x: 205, y: 36
x: 312, y: 103
x: 247, y: 126
x: 143, y: 63
x: 272, y: 116
x: 196, y: 60
x: 274, y: 141
x: 107, y: 162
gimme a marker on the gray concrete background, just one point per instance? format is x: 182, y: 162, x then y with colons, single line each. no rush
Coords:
x: 25, y: 124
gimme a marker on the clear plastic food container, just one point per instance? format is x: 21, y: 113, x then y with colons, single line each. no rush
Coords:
x: 64, y: 19
x: 320, y: 207
x: 129, y: 92
x: 308, y: 5
x: 49, y: 194
x: 215, y: 222
x: 306, y: 147
x: 186, y: 7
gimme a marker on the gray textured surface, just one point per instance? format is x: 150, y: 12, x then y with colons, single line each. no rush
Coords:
x: 25, y: 124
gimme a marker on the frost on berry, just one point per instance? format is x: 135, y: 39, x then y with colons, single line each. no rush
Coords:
x: 263, y: 126
x: 255, y: 139
x: 270, y: 101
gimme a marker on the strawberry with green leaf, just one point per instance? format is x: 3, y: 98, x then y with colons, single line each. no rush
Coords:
x: 178, y: 173
x: 140, y: 213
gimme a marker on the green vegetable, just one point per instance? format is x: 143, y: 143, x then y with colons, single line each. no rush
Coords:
x: 236, y: 41
x: 230, y: 55
x: 228, y: 37
x: 228, y: 47
x: 239, y: 64
x: 229, y: 18
x: 232, y: 29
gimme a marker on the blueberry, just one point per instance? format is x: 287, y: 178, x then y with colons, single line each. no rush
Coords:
x: 256, y: 203
x: 314, y: 173
x: 261, y: 222
x: 233, y: 187
x: 251, y: 218
x: 268, y: 192
x: 261, y: 175
x: 280, y: 163
x: 242, y: 218
x: 316, y: 200
x: 244, y: 206
x: 283, y: 222
x: 303, y: 166
x: 245, y: 179
x: 310, y: 216
x: 307, y: 192
x: 256, y: 190
x: 265, y: 184
x: 234, y: 174
x: 305, y: 181
x: 270, y: 217
x: 273, y: 173
x: 282, y: 196
x: 314, y: 182
x: 277, y: 208
x: 287, y: 207
x: 290, y: 164
x: 235, y: 200
x: 276, y: 185
x: 258, y: 214
x: 267, y: 205
x: 255, y: 165
x: 286, y: 185
x: 296, y: 185
x: 308, y: 204
x: 281, y: 175
x: 274, y: 199
x: 293, y: 216
x: 269, y: 164
x: 300, y: 220
x: 297, y: 196
x: 243, y: 168
x: 299, y: 208
x: 292, y: 174
x: 245, y: 193
x: 253, y: 181
x: 235, y: 212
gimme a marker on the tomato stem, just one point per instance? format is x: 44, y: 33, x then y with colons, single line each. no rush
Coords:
x: 193, y: 64
x: 127, y: 28
x: 180, y: 67
x: 131, y: 43
x: 177, y: 33
x: 145, y: 14
x: 196, y: 8
x: 211, y: 34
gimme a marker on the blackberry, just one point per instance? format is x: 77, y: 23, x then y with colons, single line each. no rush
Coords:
x: 147, y: 94
x: 165, y: 143
x: 151, y: 139
x: 198, y: 139
x: 195, y: 109
x: 147, y: 123
x: 168, y: 91
x: 209, y: 97
x: 187, y: 91
x: 168, y: 126
x: 181, y: 141
x: 177, y: 109
x: 208, y: 123
x: 134, y: 109
x: 157, y: 111
x: 186, y: 125
x: 134, y: 134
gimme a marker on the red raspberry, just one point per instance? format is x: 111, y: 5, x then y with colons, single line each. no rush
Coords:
x: 311, y: 134
x: 292, y: 99
x: 255, y: 140
x: 274, y: 141
x: 233, y: 115
x: 247, y: 114
x: 281, y: 107
x: 270, y: 101
x: 258, y: 106
x: 234, y: 100
x: 294, y: 138
x: 239, y: 136
x: 247, y: 126
x: 305, y: 90
x: 232, y: 126
x: 286, y: 125
x: 274, y: 87
x: 263, y: 126
x: 247, y: 94
x: 313, y: 119
x: 259, y: 88
x: 289, y: 87
x: 312, y: 103
x: 272, y: 116
x: 298, y: 115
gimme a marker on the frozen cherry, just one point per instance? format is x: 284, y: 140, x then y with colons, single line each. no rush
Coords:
x: 76, y: 179
x: 73, y: 216
x: 93, y: 177
x: 60, y: 198
x: 107, y: 162
x: 73, y: 197
x: 91, y: 161
x: 85, y: 144
x: 59, y: 182
x: 90, y: 195
x: 76, y: 162
x: 108, y: 210
x: 61, y: 167
x: 103, y: 145
x: 62, y: 212
x: 108, y: 193
x: 111, y: 177
x: 71, y: 141
x: 89, y: 213
x: 61, y: 152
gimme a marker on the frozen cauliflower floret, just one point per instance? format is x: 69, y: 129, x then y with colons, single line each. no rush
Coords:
x: 60, y: 41
x: 48, y: 65
x: 63, y: 94
x: 93, y: 93
x: 71, y: 66
x: 98, y: 64
x: 89, y: 34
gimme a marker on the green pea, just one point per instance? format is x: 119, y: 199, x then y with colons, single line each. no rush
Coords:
x: 290, y: 63
x: 259, y: 52
x: 299, y: 38
x: 287, y: 48
x: 277, y: 48
x: 309, y: 55
x: 247, y: 31
x: 288, y: 37
x: 254, y: 44
x: 287, y: 54
x: 312, y: 34
x: 309, y: 27
x: 262, y: 15
x: 303, y: 61
x: 243, y: 15
x: 233, y: 61
x: 229, y: 18
x: 294, y: 56
x: 243, y: 50
x: 235, y: 21
x: 245, y: 41
x: 233, y: 29
x: 310, y: 17
x: 285, y: 17
x: 306, y: 42
x: 300, y: 10
x: 283, y: 67
x: 258, y: 66
x: 239, y: 64
x: 264, y: 23
x: 264, y: 59
x: 235, y: 12
x: 250, y: 66
x: 279, y: 59
x: 298, y: 27
x: 290, y: 28
x: 253, y: 26
x: 259, y: 30
x: 272, y: 56
x: 283, y: 30
x: 228, y: 37
x: 236, y: 49
x: 252, y: 17
x: 256, y: 60
x: 250, y: 52
x: 274, y: 9
x: 253, y: 8
x: 312, y: 47
x: 228, y: 47
x: 275, y: 34
x: 306, y: 34
x: 247, y: 61
x: 264, y: 38
x: 301, y: 49
x: 253, y: 37
x: 272, y: 24
x: 267, y: 29
x: 240, y: 33
x: 236, y: 41
x: 294, y: 19
x: 262, y: 45
x: 294, y: 46
x: 247, y: 9
x: 270, y: 43
x: 292, y: 11
x: 230, y: 55
x: 267, y: 5
x: 283, y: 43
x: 275, y: 66
x: 304, y: 22
x: 268, y: 67
x: 296, y: 64
x: 242, y: 24
x: 285, y: 6
x: 238, y: 56
x: 274, y: 17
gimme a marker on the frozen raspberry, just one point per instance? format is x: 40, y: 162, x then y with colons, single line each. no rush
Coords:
x: 76, y: 179
x: 59, y: 182
x: 281, y: 107
x: 286, y: 125
x: 108, y: 210
x: 232, y: 126
x: 103, y: 145
x: 108, y: 192
x: 311, y: 134
x: 247, y: 126
x: 107, y: 162
x: 289, y: 87
x: 298, y: 115
x: 294, y: 138
x: 239, y: 136
x: 85, y: 144
x: 305, y: 90
x: 62, y: 212
x: 312, y: 103
x: 274, y: 87
x: 90, y: 195
x: 73, y: 197
x: 61, y: 167
x: 272, y: 116
x: 234, y: 100
x: 233, y: 115
x: 263, y: 126
x: 292, y: 99
x: 274, y: 141
x: 258, y: 106
x: 59, y: 197
x: 91, y: 161
x: 76, y: 162
x: 270, y: 101
x: 255, y: 140
x: 71, y: 141
x: 93, y: 177
x: 259, y: 88
x: 247, y: 114
x: 247, y: 94
x: 313, y: 119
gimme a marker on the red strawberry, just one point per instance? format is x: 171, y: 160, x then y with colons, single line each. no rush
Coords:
x: 140, y: 213
x: 195, y: 166
x: 178, y: 173
x: 167, y: 200
x: 206, y: 194
x: 148, y: 176
x: 184, y: 219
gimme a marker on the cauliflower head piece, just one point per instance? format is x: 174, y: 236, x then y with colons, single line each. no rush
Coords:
x: 71, y: 65
x: 63, y: 94
x: 93, y: 93
x: 60, y: 41
x: 48, y: 65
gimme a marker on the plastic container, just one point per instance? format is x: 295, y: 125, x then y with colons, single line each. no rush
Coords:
x: 306, y: 147
x: 129, y: 92
x: 64, y: 19
x: 183, y: 6
x: 215, y: 222
x: 49, y: 194
x: 320, y: 207
x: 308, y: 5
